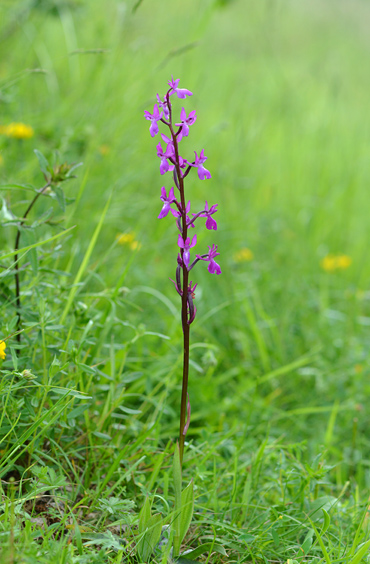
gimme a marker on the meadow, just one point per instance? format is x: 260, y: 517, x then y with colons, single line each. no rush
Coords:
x: 278, y: 444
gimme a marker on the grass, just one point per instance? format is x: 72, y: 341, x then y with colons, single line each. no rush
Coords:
x: 278, y: 446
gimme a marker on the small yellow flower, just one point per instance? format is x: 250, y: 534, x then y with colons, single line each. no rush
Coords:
x: 17, y: 130
x: 2, y: 349
x: 129, y: 239
x: 243, y: 255
x: 331, y: 263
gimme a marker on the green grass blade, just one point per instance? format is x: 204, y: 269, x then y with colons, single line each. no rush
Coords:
x: 85, y: 261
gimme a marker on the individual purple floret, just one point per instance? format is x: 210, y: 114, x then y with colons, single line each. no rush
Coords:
x: 181, y: 92
x: 164, y: 106
x: 213, y: 267
x: 198, y: 163
x: 170, y: 149
x: 154, y: 117
x: 186, y: 121
x: 210, y: 222
x: 186, y: 245
x: 166, y: 202
x: 164, y: 166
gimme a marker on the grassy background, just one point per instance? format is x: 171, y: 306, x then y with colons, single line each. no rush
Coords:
x: 279, y: 384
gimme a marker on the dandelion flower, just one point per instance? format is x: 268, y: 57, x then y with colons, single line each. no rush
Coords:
x: 243, y: 255
x: 17, y: 130
x: 2, y: 349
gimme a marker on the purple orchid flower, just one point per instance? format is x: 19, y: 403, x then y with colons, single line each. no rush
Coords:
x: 186, y: 121
x: 164, y: 106
x: 210, y: 222
x: 213, y: 267
x: 164, y: 166
x: 154, y: 117
x: 170, y: 149
x: 186, y: 245
x: 202, y: 171
x: 166, y: 202
x: 181, y: 92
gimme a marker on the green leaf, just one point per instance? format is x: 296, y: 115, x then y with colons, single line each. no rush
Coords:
x: 360, y: 553
x: 5, y: 213
x: 59, y: 194
x: 275, y: 536
x: 43, y: 162
x: 144, y: 516
x: 187, y: 508
x: 326, y: 521
x: 85, y: 368
x: 77, y: 411
x: 206, y: 547
x: 150, y: 538
x: 129, y: 410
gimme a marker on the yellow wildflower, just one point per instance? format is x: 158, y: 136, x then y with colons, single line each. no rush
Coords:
x: 243, y: 255
x: 17, y: 130
x: 129, y: 239
x: 2, y: 349
x: 331, y: 263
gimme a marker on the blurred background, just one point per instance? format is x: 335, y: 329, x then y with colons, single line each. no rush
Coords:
x: 281, y: 91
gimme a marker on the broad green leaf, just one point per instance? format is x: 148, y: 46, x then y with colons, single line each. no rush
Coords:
x: 144, y: 516
x: 150, y: 538
x: 187, y: 508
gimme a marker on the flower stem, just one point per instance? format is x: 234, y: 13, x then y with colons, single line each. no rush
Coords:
x: 184, y: 297
x: 16, y: 248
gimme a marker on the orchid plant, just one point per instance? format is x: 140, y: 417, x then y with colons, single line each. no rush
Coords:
x: 174, y: 202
